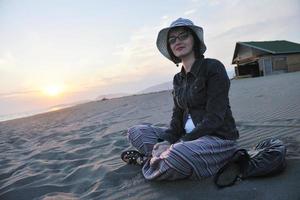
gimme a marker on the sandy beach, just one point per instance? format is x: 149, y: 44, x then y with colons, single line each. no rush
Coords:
x: 74, y: 153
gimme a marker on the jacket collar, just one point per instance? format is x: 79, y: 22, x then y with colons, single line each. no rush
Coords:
x: 195, y: 68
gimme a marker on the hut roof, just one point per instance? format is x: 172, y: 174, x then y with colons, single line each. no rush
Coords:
x: 268, y: 47
x: 275, y: 47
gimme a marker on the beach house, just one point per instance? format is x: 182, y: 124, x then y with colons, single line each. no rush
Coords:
x: 262, y: 58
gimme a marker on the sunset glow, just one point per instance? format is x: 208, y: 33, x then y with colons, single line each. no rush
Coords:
x: 53, y: 90
x: 57, y: 52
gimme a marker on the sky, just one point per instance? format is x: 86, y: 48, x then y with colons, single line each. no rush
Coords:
x: 63, y: 51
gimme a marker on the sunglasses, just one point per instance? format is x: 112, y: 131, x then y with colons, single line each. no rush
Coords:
x: 182, y: 36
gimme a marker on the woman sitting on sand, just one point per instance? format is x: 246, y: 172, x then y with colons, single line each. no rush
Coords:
x: 202, y: 133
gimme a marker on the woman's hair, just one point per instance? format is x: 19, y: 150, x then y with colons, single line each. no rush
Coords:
x: 196, y: 47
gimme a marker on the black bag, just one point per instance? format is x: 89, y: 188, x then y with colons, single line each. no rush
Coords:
x: 267, y: 158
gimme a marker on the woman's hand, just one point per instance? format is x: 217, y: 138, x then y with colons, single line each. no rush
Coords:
x: 159, y: 148
x: 161, y: 144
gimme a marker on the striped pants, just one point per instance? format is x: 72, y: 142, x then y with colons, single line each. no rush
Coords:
x: 194, y: 159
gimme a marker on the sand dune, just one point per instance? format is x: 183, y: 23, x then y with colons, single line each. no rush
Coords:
x: 74, y: 153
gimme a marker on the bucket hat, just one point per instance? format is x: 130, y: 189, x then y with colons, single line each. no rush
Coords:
x: 162, y: 38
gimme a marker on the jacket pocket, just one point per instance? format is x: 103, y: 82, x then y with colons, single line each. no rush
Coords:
x: 198, y: 92
x: 178, y: 95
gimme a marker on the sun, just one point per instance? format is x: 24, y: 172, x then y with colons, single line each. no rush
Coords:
x: 53, y: 90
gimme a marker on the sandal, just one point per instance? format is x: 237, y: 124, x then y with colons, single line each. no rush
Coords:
x: 228, y: 175
x: 133, y: 157
x: 232, y: 171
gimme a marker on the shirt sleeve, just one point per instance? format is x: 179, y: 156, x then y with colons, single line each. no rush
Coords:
x: 217, y: 104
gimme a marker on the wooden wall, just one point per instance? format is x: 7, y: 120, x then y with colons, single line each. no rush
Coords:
x: 293, y: 62
x: 279, y: 63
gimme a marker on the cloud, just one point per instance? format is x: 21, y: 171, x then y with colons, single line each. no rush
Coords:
x: 137, y: 51
x: 278, y: 28
x: 7, y: 60
x: 189, y: 12
x: 139, y: 63
x: 240, y: 12
x: 17, y: 93
x: 165, y: 17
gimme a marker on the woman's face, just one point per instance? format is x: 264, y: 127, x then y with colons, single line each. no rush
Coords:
x: 181, y: 42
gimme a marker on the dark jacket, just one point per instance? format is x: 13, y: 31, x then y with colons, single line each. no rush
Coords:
x: 202, y: 93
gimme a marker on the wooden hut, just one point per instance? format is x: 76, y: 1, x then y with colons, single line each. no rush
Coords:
x: 266, y: 58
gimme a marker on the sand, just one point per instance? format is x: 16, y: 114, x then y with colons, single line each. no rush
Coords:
x: 74, y: 153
